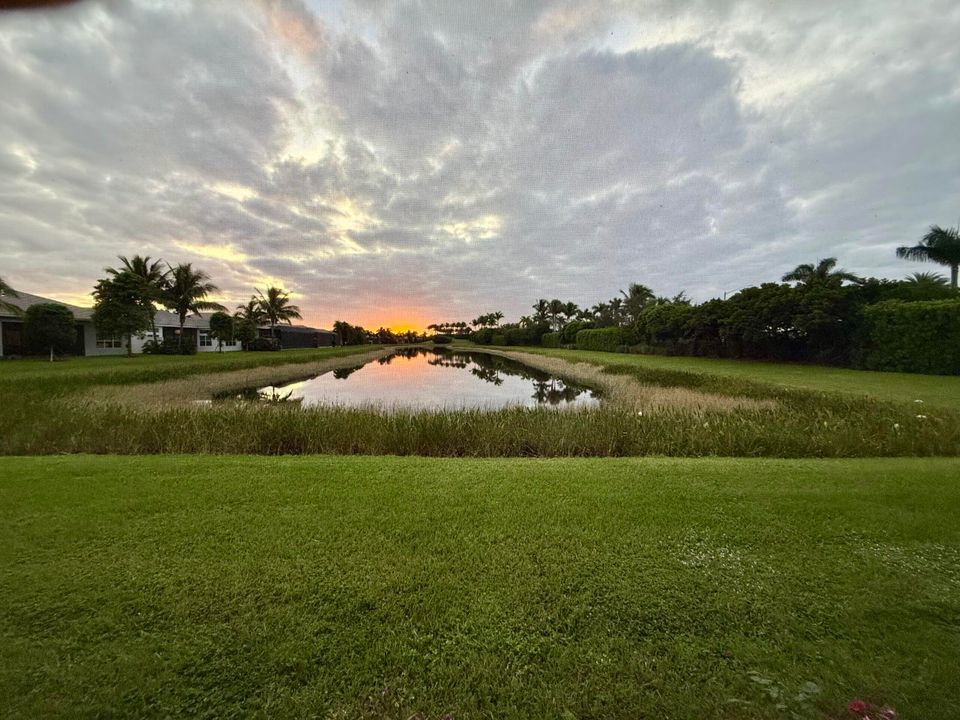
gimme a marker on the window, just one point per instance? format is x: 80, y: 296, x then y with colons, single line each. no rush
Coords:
x: 205, y: 339
x: 108, y: 342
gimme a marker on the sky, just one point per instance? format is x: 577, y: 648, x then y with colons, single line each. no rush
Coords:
x: 402, y: 163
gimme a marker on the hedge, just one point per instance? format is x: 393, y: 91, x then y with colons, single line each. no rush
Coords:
x: 921, y: 337
x: 550, y: 340
x: 611, y: 339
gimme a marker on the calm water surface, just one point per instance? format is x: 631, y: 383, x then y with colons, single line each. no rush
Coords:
x: 433, y: 378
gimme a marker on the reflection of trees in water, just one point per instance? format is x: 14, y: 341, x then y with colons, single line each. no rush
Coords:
x: 554, y: 391
x: 491, y: 368
x: 344, y: 373
x: 490, y: 375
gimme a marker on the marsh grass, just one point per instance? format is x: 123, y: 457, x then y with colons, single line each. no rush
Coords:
x: 58, y: 416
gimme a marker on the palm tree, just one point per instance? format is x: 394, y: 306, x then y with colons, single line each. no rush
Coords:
x: 9, y: 292
x: 186, y: 292
x: 276, y: 308
x: 496, y: 317
x: 153, y: 277
x: 555, y: 309
x: 823, y: 273
x: 541, y: 310
x: 635, y: 298
x: 939, y: 245
x: 927, y: 279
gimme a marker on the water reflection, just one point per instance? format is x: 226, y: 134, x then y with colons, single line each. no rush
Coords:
x: 433, y: 378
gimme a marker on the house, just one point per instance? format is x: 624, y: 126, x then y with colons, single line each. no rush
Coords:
x: 196, y: 330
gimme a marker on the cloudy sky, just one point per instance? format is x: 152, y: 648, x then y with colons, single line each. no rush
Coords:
x: 400, y: 163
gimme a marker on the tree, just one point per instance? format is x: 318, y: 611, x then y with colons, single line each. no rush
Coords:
x: 635, y: 298
x: 186, y: 292
x: 121, y: 307
x: 276, y: 308
x: 49, y: 327
x: 541, y: 311
x: 9, y: 292
x: 939, y: 245
x: 248, y: 319
x: 221, y: 328
x: 823, y: 273
x: 927, y: 279
x: 153, y: 277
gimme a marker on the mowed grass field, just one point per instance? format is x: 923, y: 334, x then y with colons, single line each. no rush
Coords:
x: 352, y: 587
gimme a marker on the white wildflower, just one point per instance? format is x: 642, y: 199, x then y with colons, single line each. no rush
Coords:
x: 921, y: 417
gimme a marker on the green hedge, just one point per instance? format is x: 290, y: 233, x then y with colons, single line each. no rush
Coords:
x: 922, y: 337
x: 611, y: 339
x: 498, y: 340
x: 550, y: 340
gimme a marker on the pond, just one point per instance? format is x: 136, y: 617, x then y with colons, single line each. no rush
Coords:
x: 432, y: 379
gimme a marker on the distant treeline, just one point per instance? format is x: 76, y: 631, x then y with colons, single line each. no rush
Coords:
x: 820, y: 314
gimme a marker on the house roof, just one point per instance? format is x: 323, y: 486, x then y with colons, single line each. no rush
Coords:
x: 24, y: 300
x: 302, y: 329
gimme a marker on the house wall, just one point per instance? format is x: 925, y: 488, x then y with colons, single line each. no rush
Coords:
x: 90, y: 341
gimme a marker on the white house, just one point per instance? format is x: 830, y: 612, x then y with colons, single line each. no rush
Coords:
x: 196, y: 330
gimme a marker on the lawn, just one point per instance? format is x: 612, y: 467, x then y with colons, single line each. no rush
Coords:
x: 412, y: 587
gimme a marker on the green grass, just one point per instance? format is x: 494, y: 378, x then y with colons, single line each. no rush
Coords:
x: 939, y: 390
x: 44, y: 413
x: 353, y: 587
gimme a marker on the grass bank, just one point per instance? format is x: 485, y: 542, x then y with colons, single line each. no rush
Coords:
x: 352, y: 587
x: 937, y: 390
x: 76, y: 407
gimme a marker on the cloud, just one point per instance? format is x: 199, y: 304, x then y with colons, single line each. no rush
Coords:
x: 441, y: 158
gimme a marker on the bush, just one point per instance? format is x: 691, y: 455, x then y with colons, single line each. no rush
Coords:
x: 568, y: 335
x: 264, y: 344
x: 921, y: 337
x: 441, y: 339
x: 550, y: 340
x: 169, y: 346
x: 483, y: 336
x: 611, y: 339
x: 498, y: 340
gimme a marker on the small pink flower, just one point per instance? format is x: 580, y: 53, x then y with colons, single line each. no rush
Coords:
x: 858, y: 708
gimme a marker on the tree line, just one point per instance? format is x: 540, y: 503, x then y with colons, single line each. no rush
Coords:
x: 817, y: 312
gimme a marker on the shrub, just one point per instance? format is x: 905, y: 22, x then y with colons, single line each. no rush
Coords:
x: 264, y: 344
x: 611, y: 339
x: 498, y: 340
x: 169, y: 346
x: 919, y: 337
x: 550, y: 340
x: 568, y: 335
x: 441, y: 339
x: 483, y: 336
